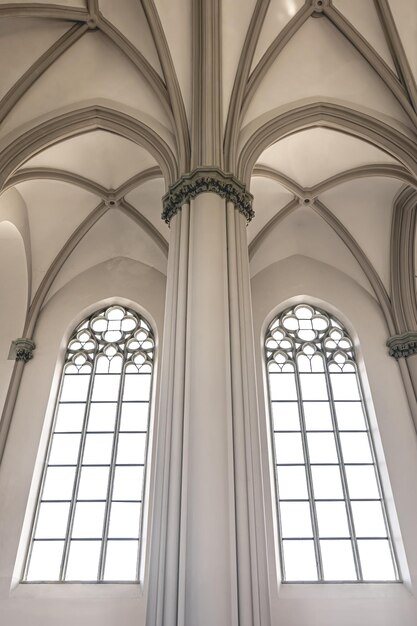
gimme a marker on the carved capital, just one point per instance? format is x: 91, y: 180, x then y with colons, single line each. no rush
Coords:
x: 202, y: 180
x: 402, y: 345
x: 22, y: 349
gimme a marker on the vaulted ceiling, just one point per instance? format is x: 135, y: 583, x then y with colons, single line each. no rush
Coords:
x: 317, y: 111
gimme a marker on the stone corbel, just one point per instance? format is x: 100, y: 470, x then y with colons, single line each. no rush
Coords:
x: 403, y: 345
x: 204, y: 179
x: 21, y: 350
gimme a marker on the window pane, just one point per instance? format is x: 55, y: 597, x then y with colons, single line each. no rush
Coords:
x: 327, y: 482
x: 134, y: 416
x: 52, y: 520
x: 355, y: 448
x: 317, y: 416
x: 59, y: 483
x: 88, y: 520
x: 64, y: 450
x: 362, y: 481
x: 70, y: 417
x: 121, y: 560
x: 106, y: 387
x: 296, y: 520
x: 97, y: 449
x: 332, y: 519
x: 125, y: 520
x: 285, y: 416
x: 128, y: 483
x: 350, y: 416
x: 137, y: 387
x: 131, y: 448
x: 75, y: 388
x: 282, y: 387
x: 83, y: 560
x: 337, y: 558
x: 313, y: 387
x: 292, y: 483
x: 299, y: 560
x: 93, y: 483
x: 289, y: 448
x: 102, y: 416
x: 322, y: 448
x: 376, y: 559
x: 45, y: 560
x: 344, y: 386
x: 368, y: 519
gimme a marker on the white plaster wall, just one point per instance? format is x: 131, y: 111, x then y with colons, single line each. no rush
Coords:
x: 120, y: 280
x: 281, y: 284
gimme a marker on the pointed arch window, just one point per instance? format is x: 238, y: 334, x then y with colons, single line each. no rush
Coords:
x: 332, y: 520
x: 88, y: 521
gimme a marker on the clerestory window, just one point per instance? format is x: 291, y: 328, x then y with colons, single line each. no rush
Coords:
x: 332, y: 520
x: 88, y: 520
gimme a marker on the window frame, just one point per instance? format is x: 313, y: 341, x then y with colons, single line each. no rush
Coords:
x: 112, y: 465
x: 281, y: 312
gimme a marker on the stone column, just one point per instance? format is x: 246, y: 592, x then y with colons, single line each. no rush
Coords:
x: 206, y: 553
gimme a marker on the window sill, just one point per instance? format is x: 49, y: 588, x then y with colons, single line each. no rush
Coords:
x: 340, y: 590
x: 69, y: 590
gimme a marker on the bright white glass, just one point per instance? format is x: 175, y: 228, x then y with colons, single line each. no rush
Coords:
x: 121, y: 560
x: 137, y: 387
x: 131, y: 448
x: 282, y: 387
x: 327, y: 482
x: 88, y: 520
x: 376, y: 559
x: 45, y: 561
x: 106, y: 387
x: 288, y: 448
x: 350, y: 416
x: 317, y: 416
x: 134, y: 416
x: 292, y: 483
x: 295, y: 520
x: 285, y: 416
x: 102, y: 416
x: 313, y: 387
x: 128, y: 483
x: 64, y: 449
x: 322, y: 448
x: 368, y: 519
x: 344, y: 386
x: 75, y: 388
x: 52, y: 520
x: 93, y: 483
x: 337, y: 559
x: 59, y: 483
x: 98, y: 449
x: 124, y: 520
x: 299, y: 560
x: 362, y: 481
x: 83, y: 560
x: 355, y: 448
x: 70, y: 418
x: 332, y: 519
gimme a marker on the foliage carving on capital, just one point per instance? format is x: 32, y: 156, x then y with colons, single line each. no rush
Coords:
x: 203, y: 180
x: 22, y: 349
x: 402, y: 345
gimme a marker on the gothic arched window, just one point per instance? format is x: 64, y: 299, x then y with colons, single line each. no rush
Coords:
x: 332, y: 520
x: 88, y: 520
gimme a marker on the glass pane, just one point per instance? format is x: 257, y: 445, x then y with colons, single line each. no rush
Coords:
x: 350, y: 416
x: 52, y: 520
x: 313, y: 387
x: 337, y: 558
x: 106, y: 387
x: 292, y: 482
x: 121, y: 560
x: 327, y: 482
x: 131, y: 448
x: 368, y: 519
x: 75, y: 388
x: 299, y: 560
x: 45, y: 560
x: 134, y: 416
x: 59, y: 482
x: 285, y: 416
x: 355, y: 448
x: 83, y: 560
x: 295, y: 519
x: 288, y: 447
x: 322, y: 448
x: 128, y: 483
x: 70, y: 418
x: 64, y: 449
x: 344, y: 386
x: 93, y: 483
x: 317, y: 416
x: 98, y: 449
x: 88, y: 520
x: 282, y: 387
x: 376, y: 560
x: 102, y: 416
x: 332, y: 519
x: 125, y: 520
x: 361, y: 481
x: 137, y: 387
